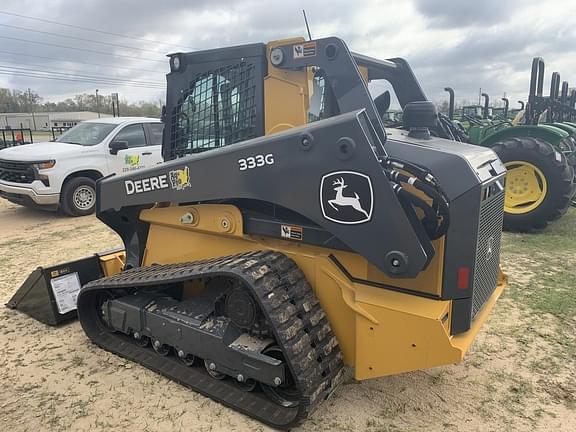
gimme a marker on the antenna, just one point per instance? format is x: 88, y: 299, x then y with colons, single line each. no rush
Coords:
x: 307, y: 27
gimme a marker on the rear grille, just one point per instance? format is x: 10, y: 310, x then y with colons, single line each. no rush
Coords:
x: 487, y: 250
x: 16, y: 172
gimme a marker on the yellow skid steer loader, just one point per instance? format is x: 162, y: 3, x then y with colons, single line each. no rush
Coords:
x: 289, y: 234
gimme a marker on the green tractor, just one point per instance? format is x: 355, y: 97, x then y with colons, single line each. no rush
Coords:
x: 559, y: 111
x: 479, y: 128
x: 540, y: 180
x: 475, y: 114
x: 501, y: 113
x: 507, y: 113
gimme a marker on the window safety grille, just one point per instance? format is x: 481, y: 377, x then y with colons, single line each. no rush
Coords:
x: 218, y: 109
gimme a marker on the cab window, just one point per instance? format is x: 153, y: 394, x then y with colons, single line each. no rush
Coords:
x: 155, y: 133
x: 133, y: 135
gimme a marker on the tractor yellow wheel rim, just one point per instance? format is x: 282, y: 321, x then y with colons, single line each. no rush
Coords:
x: 526, y: 187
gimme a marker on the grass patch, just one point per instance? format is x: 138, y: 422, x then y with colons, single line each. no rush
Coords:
x: 552, y: 259
x: 560, y: 236
x: 542, y: 284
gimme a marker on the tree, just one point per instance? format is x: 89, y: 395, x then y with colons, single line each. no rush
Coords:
x: 5, y: 100
x: 22, y: 102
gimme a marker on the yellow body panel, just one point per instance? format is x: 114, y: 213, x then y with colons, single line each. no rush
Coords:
x: 286, y: 97
x: 429, y: 281
x: 364, y: 72
x: 380, y: 331
x: 112, y: 263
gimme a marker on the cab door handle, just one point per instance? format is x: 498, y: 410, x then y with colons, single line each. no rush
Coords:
x: 146, y: 153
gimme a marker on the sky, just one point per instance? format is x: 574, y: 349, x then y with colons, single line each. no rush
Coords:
x: 467, y: 45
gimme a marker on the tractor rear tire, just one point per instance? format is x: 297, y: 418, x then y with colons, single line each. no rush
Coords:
x: 556, y: 186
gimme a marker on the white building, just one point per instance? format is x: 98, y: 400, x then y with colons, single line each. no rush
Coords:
x: 46, y: 120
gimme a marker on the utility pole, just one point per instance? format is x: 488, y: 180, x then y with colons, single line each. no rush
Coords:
x: 115, y: 105
x: 31, y: 108
x: 97, y: 103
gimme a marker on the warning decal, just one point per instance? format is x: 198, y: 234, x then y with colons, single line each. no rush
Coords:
x: 291, y: 232
x: 304, y: 50
x: 66, y: 289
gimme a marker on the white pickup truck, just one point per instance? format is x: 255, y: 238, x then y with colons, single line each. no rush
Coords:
x: 62, y: 174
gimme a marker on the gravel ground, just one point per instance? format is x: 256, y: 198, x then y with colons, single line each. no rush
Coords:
x: 519, y: 375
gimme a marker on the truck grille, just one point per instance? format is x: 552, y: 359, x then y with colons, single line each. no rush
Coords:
x: 16, y: 172
x: 487, y: 250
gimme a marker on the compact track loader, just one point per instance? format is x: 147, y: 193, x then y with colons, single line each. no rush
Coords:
x: 289, y: 234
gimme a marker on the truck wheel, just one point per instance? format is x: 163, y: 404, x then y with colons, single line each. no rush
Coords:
x: 539, y: 183
x: 78, y: 197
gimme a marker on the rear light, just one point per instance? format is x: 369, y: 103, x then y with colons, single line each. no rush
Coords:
x: 463, y: 278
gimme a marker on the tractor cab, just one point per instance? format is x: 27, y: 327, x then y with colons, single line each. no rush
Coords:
x: 472, y: 111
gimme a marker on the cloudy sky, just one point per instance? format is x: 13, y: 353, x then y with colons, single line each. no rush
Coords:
x: 464, y: 44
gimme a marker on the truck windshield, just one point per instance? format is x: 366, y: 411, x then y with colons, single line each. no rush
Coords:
x: 86, y: 134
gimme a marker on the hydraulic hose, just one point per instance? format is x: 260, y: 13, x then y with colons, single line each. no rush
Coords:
x: 436, y: 216
x: 416, y: 170
x: 429, y: 222
x: 439, y: 203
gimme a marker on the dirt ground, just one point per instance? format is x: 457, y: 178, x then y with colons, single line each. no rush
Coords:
x: 519, y: 375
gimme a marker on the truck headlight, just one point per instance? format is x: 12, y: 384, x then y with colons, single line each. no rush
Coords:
x: 42, y: 165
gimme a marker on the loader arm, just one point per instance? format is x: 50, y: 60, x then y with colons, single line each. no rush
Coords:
x: 344, y: 143
x: 331, y: 55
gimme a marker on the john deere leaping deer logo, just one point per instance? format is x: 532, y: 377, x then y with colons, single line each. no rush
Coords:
x: 343, y: 201
x: 346, y: 197
x: 180, y: 178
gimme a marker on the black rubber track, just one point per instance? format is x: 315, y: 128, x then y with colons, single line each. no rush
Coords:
x: 559, y: 176
x: 299, y: 324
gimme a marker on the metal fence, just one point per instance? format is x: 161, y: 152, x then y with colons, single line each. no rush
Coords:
x: 58, y: 130
x: 10, y: 137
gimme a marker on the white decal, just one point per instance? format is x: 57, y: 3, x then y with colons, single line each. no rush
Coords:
x: 346, y: 197
x: 257, y: 161
x: 179, y: 180
x: 341, y: 201
x: 146, y: 185
x: 66, y: 289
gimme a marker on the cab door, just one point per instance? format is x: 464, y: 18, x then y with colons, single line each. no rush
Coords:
x: 154, y: 143
x: 133, y: 156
